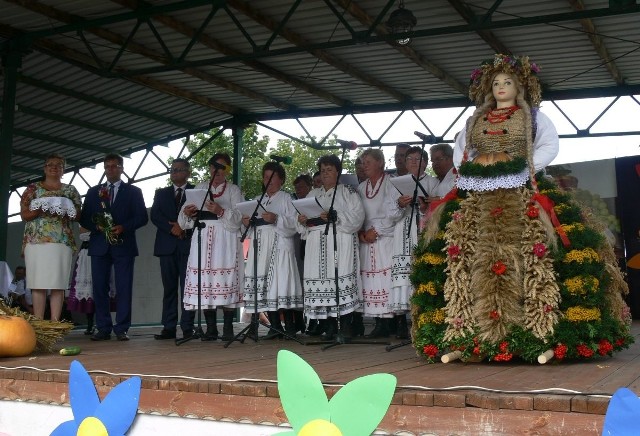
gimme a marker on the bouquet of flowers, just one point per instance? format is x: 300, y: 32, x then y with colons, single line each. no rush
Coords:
x: 104, y: 219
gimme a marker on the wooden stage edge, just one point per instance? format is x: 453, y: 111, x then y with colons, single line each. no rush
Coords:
x: 207, y: 381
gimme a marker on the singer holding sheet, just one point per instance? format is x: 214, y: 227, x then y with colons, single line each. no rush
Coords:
x: 376, y: 241
x: 405, y: 237
x: 319, y: 269
x: 278, y: 278
x: 222, y: 268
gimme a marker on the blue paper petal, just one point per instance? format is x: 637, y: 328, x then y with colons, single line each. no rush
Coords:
x: 119, y: 408
x: 623, y: 414
x: 82, y: 393
x: 67, y: 428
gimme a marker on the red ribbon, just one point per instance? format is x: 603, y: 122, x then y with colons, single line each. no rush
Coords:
x: 547, y: 205
x: 451, y: 195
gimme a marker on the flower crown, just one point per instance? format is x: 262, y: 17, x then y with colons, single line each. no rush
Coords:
x: 518, y: 67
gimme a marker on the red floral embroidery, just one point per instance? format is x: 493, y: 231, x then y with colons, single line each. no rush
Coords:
x: 499, y: 268
x: 539, y: 249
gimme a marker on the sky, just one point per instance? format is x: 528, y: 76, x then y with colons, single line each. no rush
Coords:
x: 623, y: 116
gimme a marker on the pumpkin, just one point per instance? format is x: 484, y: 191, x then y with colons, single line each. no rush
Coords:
x: 17, y: 337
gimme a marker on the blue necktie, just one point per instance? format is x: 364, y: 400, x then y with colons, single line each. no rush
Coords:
x: 111, y: 193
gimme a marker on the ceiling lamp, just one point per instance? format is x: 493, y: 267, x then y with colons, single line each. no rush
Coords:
x: 401, y: 21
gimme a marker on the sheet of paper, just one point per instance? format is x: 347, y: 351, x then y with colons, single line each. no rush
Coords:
x: 406, y: 185
x: 246, y: 208
x: 308, y: 207
x: 195, y: 196
x: 349, y: 179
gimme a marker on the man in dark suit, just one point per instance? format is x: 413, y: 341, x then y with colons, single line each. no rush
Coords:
x: 172, y: 247
x: 117, y: 249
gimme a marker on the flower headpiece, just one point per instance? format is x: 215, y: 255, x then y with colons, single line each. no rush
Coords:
x: 519, y: 67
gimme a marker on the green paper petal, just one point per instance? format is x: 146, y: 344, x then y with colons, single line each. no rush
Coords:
x: 301, y: 393
x: 360, y: 405
x: 286, y: 433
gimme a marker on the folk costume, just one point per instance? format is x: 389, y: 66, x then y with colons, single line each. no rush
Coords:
x: 319, y: 268
x: 509, y: 265
x: 222, y: 268
x: 278, y: 277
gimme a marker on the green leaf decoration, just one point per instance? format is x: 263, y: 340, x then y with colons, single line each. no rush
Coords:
x: 301, y: 392
x: 360, y: 405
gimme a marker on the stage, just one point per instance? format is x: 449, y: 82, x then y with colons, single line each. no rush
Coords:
x: 237, y: 384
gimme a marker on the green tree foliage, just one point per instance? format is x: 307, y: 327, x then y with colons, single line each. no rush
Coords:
x: 304, y: 159
x: 254, y: 155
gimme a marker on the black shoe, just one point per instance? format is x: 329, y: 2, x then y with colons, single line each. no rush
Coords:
x: 90, y: 331
x: 100, y: 336
x: 186, y: 334
x: 122, y: 337
x: 165, y: 334
x: 211, y: 335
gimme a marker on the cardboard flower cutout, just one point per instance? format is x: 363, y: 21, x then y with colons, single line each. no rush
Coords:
x: 622, y: 414
x: 112, y: 417
x: 356, y: 409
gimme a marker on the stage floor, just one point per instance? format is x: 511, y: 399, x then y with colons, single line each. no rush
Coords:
x: 197, y: 378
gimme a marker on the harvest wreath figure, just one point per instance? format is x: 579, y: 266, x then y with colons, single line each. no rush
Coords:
x: 508, y: 264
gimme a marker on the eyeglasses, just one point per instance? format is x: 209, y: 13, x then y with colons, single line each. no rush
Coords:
x: 178, y: 170
x: 415, y: 159
x: 50, y: 165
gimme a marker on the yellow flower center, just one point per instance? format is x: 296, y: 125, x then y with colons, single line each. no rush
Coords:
x: 319, y: 427
x: 92, y: 426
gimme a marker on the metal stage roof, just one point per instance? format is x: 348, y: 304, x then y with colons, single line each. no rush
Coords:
x: 124, y: 75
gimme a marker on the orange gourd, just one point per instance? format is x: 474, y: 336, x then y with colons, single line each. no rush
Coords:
x: 17, y: 337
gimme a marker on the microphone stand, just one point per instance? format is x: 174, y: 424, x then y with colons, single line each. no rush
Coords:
x: 339, y: 339
x: 255, y: 317
x: 415, y: 209
x: 198, y: 332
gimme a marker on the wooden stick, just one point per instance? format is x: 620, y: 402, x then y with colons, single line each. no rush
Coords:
x: 545, y: 357
x: 450, y: 357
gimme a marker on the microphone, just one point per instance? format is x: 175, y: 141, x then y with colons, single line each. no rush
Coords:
x: 218, y: 165
x: 347, y: 144
x: 283, y: 159
x: 429, y: 139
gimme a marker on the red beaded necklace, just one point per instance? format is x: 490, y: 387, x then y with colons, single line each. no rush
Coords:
x: 376, y: 191
x: 501, y: 115
x: 219, y: 194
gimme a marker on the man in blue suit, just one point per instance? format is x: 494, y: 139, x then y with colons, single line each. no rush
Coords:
x: 172, y: 247
x: 118, y: 249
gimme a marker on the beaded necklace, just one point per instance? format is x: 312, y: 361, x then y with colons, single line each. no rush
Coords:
x: 500, y: 115
x: 376, y: 191
x: 219, y: 194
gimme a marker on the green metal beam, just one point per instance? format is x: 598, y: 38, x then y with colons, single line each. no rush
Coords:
x: 66, y: 142
x: 27, y: 170
x: 103, y: 102
x: 84, y: 124
x: 42, y: 157
x: 11, y: 61
x: 373, y: 39
x: 143, y: 14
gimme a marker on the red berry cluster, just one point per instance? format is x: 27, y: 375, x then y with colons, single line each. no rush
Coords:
x: 584, y: 351
x: 532, y: 212
x: 430, y: 351
x: 504, y: 355
x: 560, y: 351
x: 604, y: 347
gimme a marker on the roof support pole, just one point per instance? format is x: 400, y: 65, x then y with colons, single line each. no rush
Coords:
x: 11, y: 61
x: 237, y: 131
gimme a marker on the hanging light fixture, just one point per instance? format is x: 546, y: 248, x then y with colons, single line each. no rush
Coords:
x: 401, y: 21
